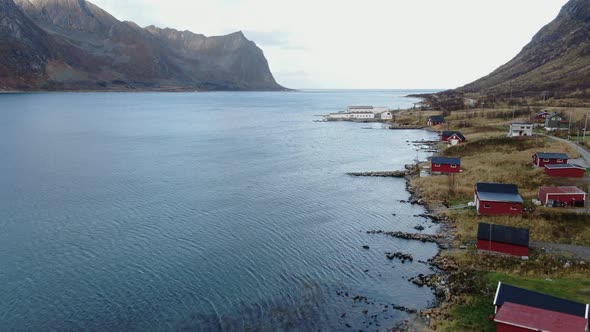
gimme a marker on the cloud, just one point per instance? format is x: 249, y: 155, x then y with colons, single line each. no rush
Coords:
x: 361, y: 44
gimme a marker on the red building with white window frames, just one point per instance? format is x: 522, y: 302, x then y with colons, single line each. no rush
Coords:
x: 445, y: 165
x: 562, y: 196
x: 498, y: 199
x: 519, y: 309
x: 450, y: 136
x: 435, y: 120
x: 565, y: 170
x: 541, y: 159
x: 503, y: 239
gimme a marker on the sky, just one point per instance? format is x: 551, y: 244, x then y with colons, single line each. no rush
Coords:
x: 361, y: 44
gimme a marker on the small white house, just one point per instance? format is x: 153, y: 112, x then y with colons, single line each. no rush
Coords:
x: 520, y: 129
x: 387, y: 115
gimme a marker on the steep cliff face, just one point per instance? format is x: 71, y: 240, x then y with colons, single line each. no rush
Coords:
x: 84, y: 47
x: 214, y: 57
x: 556, y: 61
x: 24, y: 50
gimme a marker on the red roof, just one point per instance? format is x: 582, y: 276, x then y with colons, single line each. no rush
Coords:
x: 562, y: 190
x: 539, y: 319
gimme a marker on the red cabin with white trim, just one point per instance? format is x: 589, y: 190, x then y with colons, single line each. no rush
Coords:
x: 498, y: 199
x: 540, y: 159
x: 519, y: 309
x: 445, y: 165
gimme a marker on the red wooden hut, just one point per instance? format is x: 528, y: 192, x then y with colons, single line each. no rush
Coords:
x: 542, y: 116
x: 519, y: 309
x: 562, y: 196
x: 445, y: 165
x: 436, y: 120
x: 541, y: 159
x: 498, y: 199
x: 449, y: 136
x: 565, y: 170
x: 503, y: 239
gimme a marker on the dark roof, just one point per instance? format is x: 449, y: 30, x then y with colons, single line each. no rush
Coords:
x: 446, y: 160
x: 498, y: 192
x: 437, y: 118
x: 504, y: 234
x: 512, y: 294
x: 361, y: 107
x: 552, y: 155
x: 536, y: 319
x: 558, y: 166
x: 451, y: 133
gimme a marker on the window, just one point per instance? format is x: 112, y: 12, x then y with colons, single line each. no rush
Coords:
x: 453, y: 166
x: 436, y: 165
x: 514, y: 208
x: 546, y: 160
x: 487, y: 206
x: 559, y: 160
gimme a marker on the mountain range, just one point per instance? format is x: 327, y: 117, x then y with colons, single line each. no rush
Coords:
x: 64, y: 45
x: 556, y: 63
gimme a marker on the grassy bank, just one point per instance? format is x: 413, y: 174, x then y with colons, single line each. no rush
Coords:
x: 489, y: 156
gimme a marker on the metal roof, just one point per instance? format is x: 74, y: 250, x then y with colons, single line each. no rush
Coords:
x: 551, y: 155
x: 537, y: 319
x: 507, y: 293
x: 446, y: 160
x: 504, y: 234
x: 437, y: 118
x: 361, y: 107
x: 451, y: 133
x: 562, y: 190
x: 559, y: 166
x: 498, y: 192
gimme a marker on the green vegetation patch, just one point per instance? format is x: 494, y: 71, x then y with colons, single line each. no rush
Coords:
x: 472, y: 315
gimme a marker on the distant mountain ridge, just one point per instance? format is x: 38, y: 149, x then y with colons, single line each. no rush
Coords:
x: 555, y: 63
x: 75, y: 45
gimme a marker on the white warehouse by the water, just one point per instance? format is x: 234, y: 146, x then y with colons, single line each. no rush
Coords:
x: 362, y: 113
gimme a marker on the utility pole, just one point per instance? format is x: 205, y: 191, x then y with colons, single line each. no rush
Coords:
x: 569, y: 127
x: 585, y: 126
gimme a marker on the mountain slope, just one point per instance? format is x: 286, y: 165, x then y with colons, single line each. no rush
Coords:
x: 24, y: 48
x: 556, y: 62
x: 82, y: 47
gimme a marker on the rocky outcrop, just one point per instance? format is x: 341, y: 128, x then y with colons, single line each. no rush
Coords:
x: 75, y: 45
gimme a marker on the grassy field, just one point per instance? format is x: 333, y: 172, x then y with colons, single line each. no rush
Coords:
x: 490, y: 156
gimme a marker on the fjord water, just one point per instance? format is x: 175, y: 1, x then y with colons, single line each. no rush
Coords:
x: 203, y: 211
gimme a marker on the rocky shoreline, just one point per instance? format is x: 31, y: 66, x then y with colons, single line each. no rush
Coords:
x: 443, y: 281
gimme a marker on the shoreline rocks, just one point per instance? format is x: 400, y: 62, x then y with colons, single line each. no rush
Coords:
x: 399, y: 255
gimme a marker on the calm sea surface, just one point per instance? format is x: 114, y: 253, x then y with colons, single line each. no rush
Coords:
x: 203, y: 211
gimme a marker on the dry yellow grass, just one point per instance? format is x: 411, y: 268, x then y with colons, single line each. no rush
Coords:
x: 489, y: 156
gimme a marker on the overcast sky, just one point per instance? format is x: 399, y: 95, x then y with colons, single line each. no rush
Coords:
x: 361, y: 43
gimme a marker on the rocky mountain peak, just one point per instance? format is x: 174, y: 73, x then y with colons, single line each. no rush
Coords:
x: 73, y: 44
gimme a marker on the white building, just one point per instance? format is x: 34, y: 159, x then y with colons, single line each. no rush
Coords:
x: 362, y: 113
x: 520, y: 129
